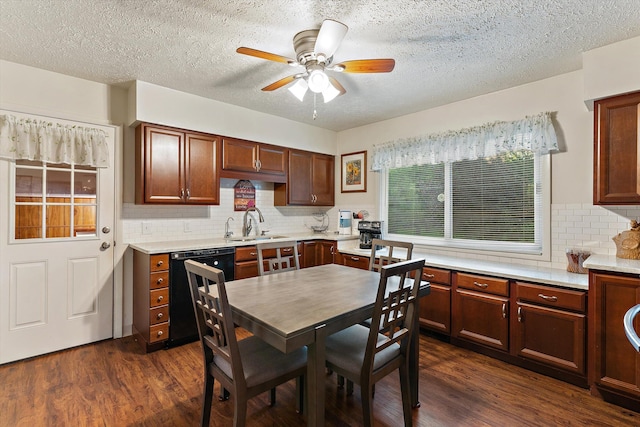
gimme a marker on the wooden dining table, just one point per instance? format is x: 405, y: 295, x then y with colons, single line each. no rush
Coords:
x: 302, y: 307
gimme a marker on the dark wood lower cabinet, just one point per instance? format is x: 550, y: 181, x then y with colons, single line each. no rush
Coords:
x: 318, y: 252
x: 435, y: 310
x: 614, y: 365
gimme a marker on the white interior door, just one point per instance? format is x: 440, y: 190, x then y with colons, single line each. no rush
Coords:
x: 56, y: 289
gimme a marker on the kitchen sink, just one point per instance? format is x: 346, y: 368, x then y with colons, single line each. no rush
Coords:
x: 254, y: 238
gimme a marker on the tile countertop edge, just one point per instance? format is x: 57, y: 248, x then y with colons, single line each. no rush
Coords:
x: 213, y: 243
x: 548, y: 276
x: 612, y: 263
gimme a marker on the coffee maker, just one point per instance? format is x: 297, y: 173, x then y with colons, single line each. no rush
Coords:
x: 369, y: 230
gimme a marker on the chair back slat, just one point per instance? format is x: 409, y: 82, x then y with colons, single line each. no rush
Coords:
x: 286, y: 257
x: 403, y: 251
x: 213, y: 315
x: 395, y: 308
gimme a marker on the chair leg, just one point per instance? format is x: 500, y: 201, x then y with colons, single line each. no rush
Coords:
x: 406, y: 395
x: 240, y: 411
x: 367, y: 403
x: 272, y: 397
x: 224, y: 394
x: 209, y: 382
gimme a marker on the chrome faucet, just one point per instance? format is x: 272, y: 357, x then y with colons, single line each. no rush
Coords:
x: 246, y: 226
x: 227, y: 233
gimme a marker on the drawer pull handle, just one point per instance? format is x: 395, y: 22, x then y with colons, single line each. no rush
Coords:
x: 160, y: 333
x: 355, y: 258
x: 253, y: 253
x: 159, y: 316
x: 287, y: 250
x: 520, y: 314
x: 504, y: 310
x: 160, y: 280
x: 551, y: 298
x: 160, y: 298
x: 481, y: 285
x: 428, y: 276
x: 159, y: 263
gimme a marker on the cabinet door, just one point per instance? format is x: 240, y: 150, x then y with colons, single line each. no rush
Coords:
x: 553, y: 337
x: 239, y: 155
x: 435, y: 309
x: 299, y: 179
x: 162, y: 165
x: 273, y: 160
x: 202, y: 173
x: 327, y: 250
x: 481, y: 318
x: 613, y: 362
x: 616, y: 150
x: 309, y: 253
x: 323, y: 177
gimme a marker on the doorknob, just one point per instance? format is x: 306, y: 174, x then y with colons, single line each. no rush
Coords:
x: 106, y: 230
x: 105, y: 245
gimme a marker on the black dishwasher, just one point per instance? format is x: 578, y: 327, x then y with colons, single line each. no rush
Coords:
x: 182, y: 320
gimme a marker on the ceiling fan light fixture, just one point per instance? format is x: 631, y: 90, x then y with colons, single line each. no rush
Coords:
x: 330, y: 93
x: 299, y: 89
x: 318, y: 81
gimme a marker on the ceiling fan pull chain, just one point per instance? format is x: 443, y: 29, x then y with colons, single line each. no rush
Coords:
x: 315, y: 112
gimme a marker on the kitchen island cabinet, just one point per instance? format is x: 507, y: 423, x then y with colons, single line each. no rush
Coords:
x: 616, y: 171
x: 614, y: 365
x: 176, y: 167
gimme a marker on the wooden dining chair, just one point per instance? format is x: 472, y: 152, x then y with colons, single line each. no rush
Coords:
x: 247, y: 367
x: 365, y: 355
x: 395, y: 252
x: 286, y: 257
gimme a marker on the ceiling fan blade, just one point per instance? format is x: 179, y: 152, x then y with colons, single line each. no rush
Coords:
x: 282, y: 82
x: 329, y: 37
x: 264, y: 55
x: 337, y: 85
x: 367, y: 65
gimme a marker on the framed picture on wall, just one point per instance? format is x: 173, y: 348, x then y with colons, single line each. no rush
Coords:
x: 354, y: 172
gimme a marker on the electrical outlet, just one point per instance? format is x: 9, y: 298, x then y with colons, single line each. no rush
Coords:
x: 146, y: 227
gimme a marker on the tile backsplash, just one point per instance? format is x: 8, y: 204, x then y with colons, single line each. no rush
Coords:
x: 573, y: 226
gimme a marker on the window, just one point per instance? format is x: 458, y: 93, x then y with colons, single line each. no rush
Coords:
x: 54, y: 200
x: 489, y: 203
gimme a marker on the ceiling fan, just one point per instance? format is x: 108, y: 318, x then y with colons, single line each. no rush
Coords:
x: 314, y: 51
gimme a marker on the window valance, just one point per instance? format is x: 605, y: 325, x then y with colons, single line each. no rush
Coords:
x: 535, y: 133
x: 32, y: 139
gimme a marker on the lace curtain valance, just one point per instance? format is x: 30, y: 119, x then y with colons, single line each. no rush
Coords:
x: 535, y: 133
x: 31, y: 139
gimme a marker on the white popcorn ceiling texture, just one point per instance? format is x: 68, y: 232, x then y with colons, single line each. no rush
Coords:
x: 444, y: 50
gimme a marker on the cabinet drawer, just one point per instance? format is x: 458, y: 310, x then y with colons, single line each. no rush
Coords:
x: 246, y: 253
x: 159, y: 262
x: 159, y: 280
x: 553, y: 297
x: 158, y: 314
x: 158, y: 297
x: 436, y: 275
x: 355, y: 261
x: 159, y: 332
x: 486, y: 284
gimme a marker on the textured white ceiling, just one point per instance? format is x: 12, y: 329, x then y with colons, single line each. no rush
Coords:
x: 445, y: 50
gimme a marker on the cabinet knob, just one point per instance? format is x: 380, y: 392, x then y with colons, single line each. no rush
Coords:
x: 159, y: 316
x: 159, y: 263
x: 160, y: 333
x: 160, y: 298
x: 159, y: 281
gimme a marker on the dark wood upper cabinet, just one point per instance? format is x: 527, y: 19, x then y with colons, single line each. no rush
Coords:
x: 310, y: 181
x: 252, y: 160
x: 176, y: 167
x: 616, y: 171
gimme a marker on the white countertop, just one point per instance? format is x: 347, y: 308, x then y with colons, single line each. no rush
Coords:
x: 612, y: 263
x: 549, y: 276
x: 197, y: 244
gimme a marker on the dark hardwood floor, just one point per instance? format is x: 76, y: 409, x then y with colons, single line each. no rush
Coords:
x: 112, y: 383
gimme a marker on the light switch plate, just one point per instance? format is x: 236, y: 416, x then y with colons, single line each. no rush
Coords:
x: 146, y: 227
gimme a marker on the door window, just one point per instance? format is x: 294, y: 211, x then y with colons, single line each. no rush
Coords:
x: 54, y: 201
